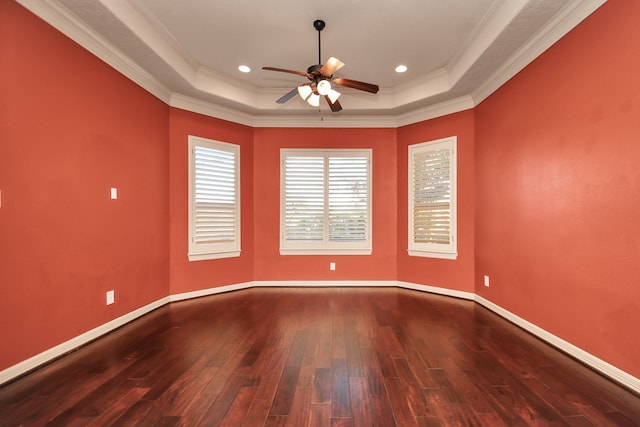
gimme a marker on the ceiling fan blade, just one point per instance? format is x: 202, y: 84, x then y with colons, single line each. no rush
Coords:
x: 284, y: 70
x: 335, y: 107
x: 354, y: 84
x: 331, y: 66
x: 287, y: 96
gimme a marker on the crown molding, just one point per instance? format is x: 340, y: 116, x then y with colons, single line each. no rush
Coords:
x: 196, y: 105
x: 58, y: 17
x: 438, y: 110
x: 327, y: 120
x: 321, y: 120
x: 324, y: 119
x: 571, y: 15
x: 501, y: 14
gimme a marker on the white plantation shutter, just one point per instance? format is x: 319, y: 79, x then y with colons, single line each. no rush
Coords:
x: 432, y: 199
x: 304, y: 198
x: 215, y: 198
x: 348, y: 199
x: 326, y: 202
x: 214, y: 211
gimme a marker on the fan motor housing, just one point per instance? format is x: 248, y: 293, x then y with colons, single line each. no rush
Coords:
x: 314, y: 70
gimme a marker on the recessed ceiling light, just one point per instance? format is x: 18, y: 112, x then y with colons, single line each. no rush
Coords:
x: 401, y: 68
x: 244, y: 69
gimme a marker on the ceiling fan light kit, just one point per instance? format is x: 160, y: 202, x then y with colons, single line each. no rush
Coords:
x: 314, y: 100
x: 333, y: 95
x: 323, y: 87
x: 321, y: 77
x: 304, y: 91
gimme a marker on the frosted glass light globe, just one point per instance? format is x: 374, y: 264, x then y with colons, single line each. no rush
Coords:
x: 324, y: 87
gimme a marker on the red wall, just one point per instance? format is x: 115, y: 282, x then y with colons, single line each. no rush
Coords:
x: 451, y: 274
x: 188, y: 276
x: 71, y: 128
x: 558, y: 184
x: 547, y: 191
x: 269, y: 264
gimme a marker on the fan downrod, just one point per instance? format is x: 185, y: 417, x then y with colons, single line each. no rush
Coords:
x: 319, y: 24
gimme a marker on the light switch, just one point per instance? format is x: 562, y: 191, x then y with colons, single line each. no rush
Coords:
x: 111, y: 297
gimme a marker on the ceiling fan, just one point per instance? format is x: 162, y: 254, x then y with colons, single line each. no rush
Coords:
x: 320, y: 79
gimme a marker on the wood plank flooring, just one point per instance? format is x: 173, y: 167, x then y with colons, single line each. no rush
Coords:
x: 317, y: 357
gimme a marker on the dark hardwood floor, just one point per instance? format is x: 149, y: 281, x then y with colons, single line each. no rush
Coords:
x: 317, y: 357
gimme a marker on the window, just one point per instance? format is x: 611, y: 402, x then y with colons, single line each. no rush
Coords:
x: 325, y: 202
x: 214, y: 199
x: 432, y: 199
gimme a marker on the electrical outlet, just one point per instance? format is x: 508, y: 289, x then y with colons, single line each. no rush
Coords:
x: 111, y: 298
x: 332, y: 266
x: 486, y: 281
x: 114, y: 193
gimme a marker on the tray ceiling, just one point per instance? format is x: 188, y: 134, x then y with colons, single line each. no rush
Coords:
x: 187, y: 52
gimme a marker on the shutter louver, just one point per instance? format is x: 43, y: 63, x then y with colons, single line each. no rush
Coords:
x: 432, y: 197
x: 348, y: 194
x: 304, y: 198
x: 215, y: 196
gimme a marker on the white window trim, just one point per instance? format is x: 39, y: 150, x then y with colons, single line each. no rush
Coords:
x: 326, y: 248
x: 449, y: 251
x: 199, y: 252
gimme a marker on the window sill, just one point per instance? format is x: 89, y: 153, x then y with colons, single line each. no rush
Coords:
x: 216, y: 255
x: 430, y: 254
x: 366, y: 251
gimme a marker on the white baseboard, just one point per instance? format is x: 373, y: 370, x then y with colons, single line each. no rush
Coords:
x: 436, y: 290
x: 606, y: 369
x: 210, y: 291
x: 599, y: 365
x: 67, y: 346
x: 283, y: 284
x: 325, y: 283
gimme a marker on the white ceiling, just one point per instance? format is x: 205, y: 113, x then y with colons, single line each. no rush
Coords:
x: 187, y: 52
